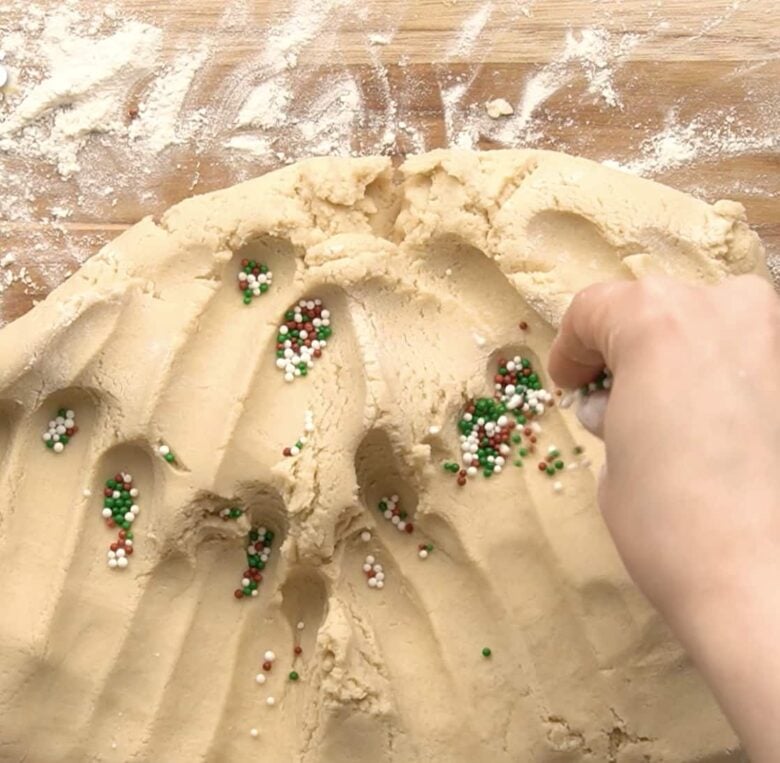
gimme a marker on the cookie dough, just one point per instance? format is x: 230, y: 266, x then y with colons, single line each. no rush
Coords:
x: 427, y: 274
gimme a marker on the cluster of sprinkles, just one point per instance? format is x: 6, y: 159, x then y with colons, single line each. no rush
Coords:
x: 231, y: 513
x: 424, y: 550
x: 308, y: 428
x: 120, y: 508
x: 488, y: 424
x: 166, y: 453
x: 258, y: 551
x: 375, y: 575
x: 302, y: 337
x: 393, y: 513
x: 254, y: 279
x: 602, y: 381
x: 61, y: 428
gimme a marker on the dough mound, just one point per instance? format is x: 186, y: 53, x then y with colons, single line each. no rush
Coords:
x: 427, y: 272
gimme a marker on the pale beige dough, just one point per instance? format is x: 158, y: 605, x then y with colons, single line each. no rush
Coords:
x: 426, y: 274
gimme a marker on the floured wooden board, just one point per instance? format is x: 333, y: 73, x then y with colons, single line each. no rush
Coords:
x: 684, y: 92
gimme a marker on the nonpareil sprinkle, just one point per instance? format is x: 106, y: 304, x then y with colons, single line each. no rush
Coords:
x: 60, y: 430
x: 302, y: 337
x: 254, y: 279
x: 374, y: 572
x: 231, y: 513
x: 120, y: 509
x: 489, y: 426
x: 602, y: 381
x: 166, y: 453
x: 258, y: 552
x: 392, y: 512
x: 308, y: 428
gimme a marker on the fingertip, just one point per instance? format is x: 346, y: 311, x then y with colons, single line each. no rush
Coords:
x: 581, y: 348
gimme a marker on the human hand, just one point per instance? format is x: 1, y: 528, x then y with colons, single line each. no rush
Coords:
x: 691, y: 489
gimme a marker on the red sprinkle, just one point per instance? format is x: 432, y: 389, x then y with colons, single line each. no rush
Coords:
x: 298, y: 650
x: 238, y: 593
x: 523, y: 326
x: 267, y: 666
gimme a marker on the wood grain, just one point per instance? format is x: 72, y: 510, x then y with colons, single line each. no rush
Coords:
x: 692, y: 57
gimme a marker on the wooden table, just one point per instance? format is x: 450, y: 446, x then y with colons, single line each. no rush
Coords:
x: 696, y: 60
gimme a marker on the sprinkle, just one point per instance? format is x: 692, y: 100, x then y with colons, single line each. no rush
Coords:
x: 523, y: 326
x: 87, y: 493
x: 557, y: 486
x: 602, y: 382
x: 254, y: 733
x: 269, y: 656
x: 231, y: 513
x: 480, y: 340
x: 270, y: 701
x: 260, y: 678
x: 254, y: 279
x: 488, y: 425
x: 487, y: 651
x: 300, y: 626
x: 390, y: 510
x: 120, y: 510
x: 293, y: 675
x: 302, y: 337
x: 60, y: 430
x: 374, y: 572
x: 434, y: 429
x: 448, y: 272
x: 258, y: 550
x: 365, y: 536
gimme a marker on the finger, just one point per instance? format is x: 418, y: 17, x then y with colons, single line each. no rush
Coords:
x: 582, y: 348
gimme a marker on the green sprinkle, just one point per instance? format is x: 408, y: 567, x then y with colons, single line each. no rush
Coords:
x: 559, y: 465
x: 293, y: 675
x: 486, y: 651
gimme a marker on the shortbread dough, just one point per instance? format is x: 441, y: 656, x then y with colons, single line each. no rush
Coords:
x: 427, y: 273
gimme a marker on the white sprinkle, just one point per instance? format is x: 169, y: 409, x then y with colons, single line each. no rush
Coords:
x: 269, y: 656
x: 254, y: 733
x: 380, y: 583
x: 448, y: 272
x: 557, y: 486
x: 70, y: 414
x: 164, y: 450
x: 480, y: 340
x: 260, y: 678
x: 270, y: 702
x: 365, y: 536
x: 434, y: 429
x: 58, y: 447
x: 300, y: 626
x: 372, y: 582
x: 121, y: 562
x: 120, y: 552
x: 370, y: 559
x: 112, y: 563
x: 422, y: 553
x: 86, y: 492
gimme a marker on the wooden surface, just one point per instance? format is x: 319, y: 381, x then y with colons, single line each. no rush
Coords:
x: 693, y: 59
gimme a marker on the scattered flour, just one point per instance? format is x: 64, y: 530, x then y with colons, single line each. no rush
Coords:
x: 718, y: 136
x: 95, y: 114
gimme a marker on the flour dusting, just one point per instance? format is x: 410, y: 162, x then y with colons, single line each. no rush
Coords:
x: 110, y: 114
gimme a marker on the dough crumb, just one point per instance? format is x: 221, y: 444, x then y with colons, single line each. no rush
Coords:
x: 498, y: 107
